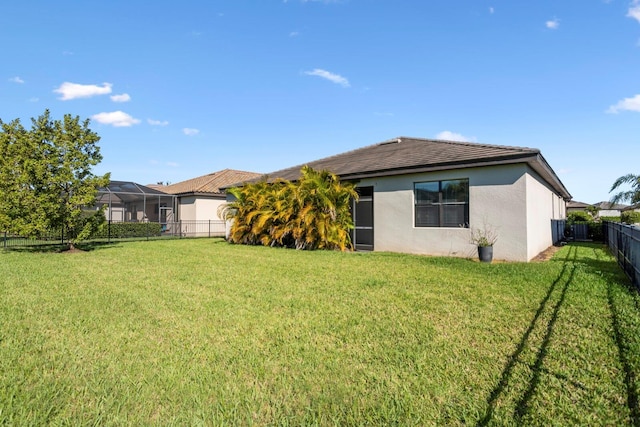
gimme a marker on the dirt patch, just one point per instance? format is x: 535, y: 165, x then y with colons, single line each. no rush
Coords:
x: 547, y: 254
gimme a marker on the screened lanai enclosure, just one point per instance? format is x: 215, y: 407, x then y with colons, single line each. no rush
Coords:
x: 132, y: 211
x: 130, y: 202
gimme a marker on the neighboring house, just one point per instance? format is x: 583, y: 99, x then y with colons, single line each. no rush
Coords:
x: 421, y: 196
x: 198, y: 198
x: 575, y: 206
x: 609, y: 209
x: 126, y: 201
x: 635, y: 208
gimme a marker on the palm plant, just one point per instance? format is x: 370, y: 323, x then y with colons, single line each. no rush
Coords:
x: 633, y: 195
x: 324, y: 217
x: 312, y: 213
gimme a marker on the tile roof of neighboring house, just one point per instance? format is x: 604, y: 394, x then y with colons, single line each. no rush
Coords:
x: 632, y: 207
x: 212, y: 183
x: 412, y: 155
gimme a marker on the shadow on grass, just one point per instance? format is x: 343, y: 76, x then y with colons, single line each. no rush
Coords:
x: 523, y: 403
x: 60, y: 248
x: 630, y: 380
x: 620, y: 333
x: 596, y: 264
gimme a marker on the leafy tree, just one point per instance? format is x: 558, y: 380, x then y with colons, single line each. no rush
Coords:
x: 46, y: 180
x: 593, y: 210
x: 632, y: 195
x: 312, y: 213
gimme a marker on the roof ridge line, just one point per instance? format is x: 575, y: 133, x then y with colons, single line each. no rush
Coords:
x: 468, y: 143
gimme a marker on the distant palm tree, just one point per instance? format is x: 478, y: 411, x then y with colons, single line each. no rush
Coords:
x: 633, y: 195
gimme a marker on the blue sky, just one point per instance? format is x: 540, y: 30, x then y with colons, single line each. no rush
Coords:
x: 182, y: 89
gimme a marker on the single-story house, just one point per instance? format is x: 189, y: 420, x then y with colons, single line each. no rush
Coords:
x: 634, y: 208
x: 424, y: 196
x: 198, y: 198
x: 576, y: 206
x: 609, y: 209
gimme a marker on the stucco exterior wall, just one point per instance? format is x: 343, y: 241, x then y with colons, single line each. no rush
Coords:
x: 199, y: 208
x: 499, y: 197
x: 207, y: 209
x: 187, y: 208
x: 543, y: 205
x: 609, y: 212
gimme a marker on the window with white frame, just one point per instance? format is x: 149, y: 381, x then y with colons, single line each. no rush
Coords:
x: 442, y: 203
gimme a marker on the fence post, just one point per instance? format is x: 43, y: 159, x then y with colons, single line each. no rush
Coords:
x: 209, y: 228
x: 5, y: 240
x: 180, y: 228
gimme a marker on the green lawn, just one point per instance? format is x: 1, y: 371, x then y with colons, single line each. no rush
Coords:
x: 192, y: 332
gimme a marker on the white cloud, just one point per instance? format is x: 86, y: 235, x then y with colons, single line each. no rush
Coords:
x: 335, y: 78
x: 121, y: 98
x: 634, y: 10
x: 491, y: 10
x: 34, y: 99
x: 452, y: 136
x: 627, y: 104
x: 74, y: 90
x: 16, y: 79
x: 294, y: 34
x: 157, y: 122
x: 553, y: 24
x: 190, y: 131
x: 115, y: 118
x: 173, y: 164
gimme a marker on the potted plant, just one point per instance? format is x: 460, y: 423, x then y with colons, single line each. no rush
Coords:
x: 484, y: 238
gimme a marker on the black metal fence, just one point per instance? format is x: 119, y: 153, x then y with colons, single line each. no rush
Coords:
x: 211, y: 228
x: 624, y: 243
x: 113, y: 231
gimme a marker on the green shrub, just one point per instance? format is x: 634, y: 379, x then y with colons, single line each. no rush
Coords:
x: 610, y: 218
x: 595, y: 232
x: 579, y: 216
x: 119, y: 230
x: 630, y: 217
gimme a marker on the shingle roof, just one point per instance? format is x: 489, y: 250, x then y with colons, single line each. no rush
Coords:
x: 412, y: 155
x: 609, y: 206
x: 577, y: 205
x: 209, y: 184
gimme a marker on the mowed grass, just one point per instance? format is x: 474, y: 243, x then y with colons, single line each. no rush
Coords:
x: 200, y: 332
